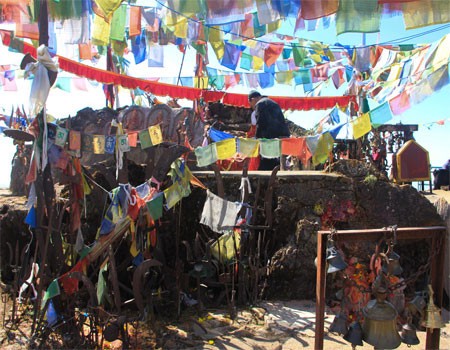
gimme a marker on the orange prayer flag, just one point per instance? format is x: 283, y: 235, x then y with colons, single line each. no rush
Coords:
x: 272, y: 53
x: 135, y: 20
x: 132, y: 139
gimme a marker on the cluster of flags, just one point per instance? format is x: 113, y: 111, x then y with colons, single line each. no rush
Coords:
x: 101, y: 144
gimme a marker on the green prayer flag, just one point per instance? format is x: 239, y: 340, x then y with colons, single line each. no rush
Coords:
x: 52, y: 291
x: 144, y: 138
x: 63, y: 83
x: 118, y: 22
x: 299, y: 54
x: 155, y: 206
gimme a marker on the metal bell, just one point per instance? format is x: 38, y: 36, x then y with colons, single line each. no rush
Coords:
x: 380, y: 328
x: 392, y: 265
x: 433, y: 318
x: 354, y: 334
x: 339, y: 325
x: 408, y: 334
x: 334, y: 258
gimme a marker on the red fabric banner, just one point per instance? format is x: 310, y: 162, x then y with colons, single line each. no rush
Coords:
x: 174, y: 91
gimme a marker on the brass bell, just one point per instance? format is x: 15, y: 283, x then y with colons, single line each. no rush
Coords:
x: 380, y: 325
x: 334, y: 258
x: 392, y: 265
x: 339, y: 324
x: 354, y: 334
x: 408, y: 334
x: 433, y: 318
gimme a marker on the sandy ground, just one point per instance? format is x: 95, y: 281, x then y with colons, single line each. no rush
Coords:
x: 272, y: 325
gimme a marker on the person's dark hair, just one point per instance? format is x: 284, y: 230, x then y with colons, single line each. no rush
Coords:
x: 253, y: 94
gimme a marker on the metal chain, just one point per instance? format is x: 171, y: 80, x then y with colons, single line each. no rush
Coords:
x: 406, y: 281
x: 422, y: 269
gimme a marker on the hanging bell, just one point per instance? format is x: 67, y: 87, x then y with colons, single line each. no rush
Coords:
x: 354, y: 334
x: 392, y: 265
x: 334, y: 258
x: 339, y: 325
x: 380, y: 328
x: 433, y: 318
x: 408, y: 334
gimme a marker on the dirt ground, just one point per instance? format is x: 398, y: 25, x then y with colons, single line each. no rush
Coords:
x: 271, y: 325
x: 274, y: 325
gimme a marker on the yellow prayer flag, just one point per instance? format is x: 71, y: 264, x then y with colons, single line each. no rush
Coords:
x: 155, y: 134
x: 98, y: 142
x: 271, y: 27
x: 258, y: 62
x: 201, y: 82
x: 181, y: 29
x: 361, y: 126
x: 216, y: 41
x: 226, y: 149
x: 395, y: 72
x: 100, y: 34
x: 86, y: 187
x: 324, y: 147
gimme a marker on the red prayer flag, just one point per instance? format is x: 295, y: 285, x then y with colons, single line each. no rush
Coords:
x: 272, y: 53
x: 313, y: 9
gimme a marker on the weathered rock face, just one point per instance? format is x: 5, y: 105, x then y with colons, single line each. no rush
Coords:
x: 356, y: 197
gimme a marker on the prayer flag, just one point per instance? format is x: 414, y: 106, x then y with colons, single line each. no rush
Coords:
x: 144, y: 138
x: 98, y: 143
x: 74, y: 140
x: 61, y: 136
x: 86, y: 145
x: 226, y: 149
x: 380, y: 115
x: 122, y: 140
x: 135, y: 21
x: 248, y: 147
x: 155, y: 134
x: 132, y: 139
x: 110, y: 143
x: 269, y: 148
x: 324, y: 147
x: 358, y: 16
x: 206, y: 155
x: 172, y: 195
x: 155, y: 206
x: 361, y: 126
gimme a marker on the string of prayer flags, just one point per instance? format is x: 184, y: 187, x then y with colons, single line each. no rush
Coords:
x: 74, y: 140
x: 270, y: 148
x: 361, y: 126
x: 226, y: 149
x: 61, y: 136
